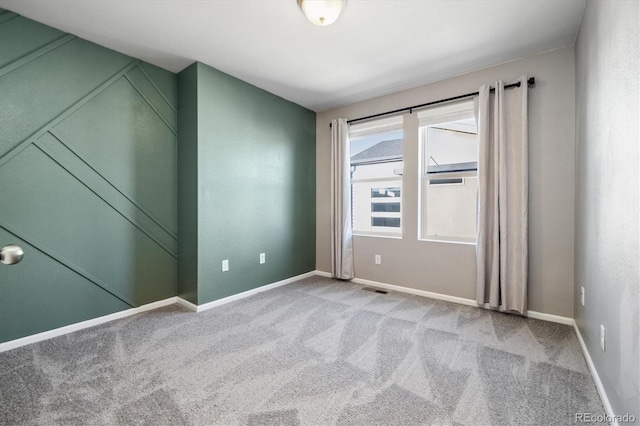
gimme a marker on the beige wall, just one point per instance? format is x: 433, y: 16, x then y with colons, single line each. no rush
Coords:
x: 607, y: 185
x: 450, y: 268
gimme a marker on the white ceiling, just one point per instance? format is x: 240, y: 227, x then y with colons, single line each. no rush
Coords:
x: 376, y: 47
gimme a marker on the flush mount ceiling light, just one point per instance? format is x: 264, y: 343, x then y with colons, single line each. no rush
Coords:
x: 322, y: 12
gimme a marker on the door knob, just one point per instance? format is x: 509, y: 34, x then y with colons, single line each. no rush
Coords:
x: 11, y: 254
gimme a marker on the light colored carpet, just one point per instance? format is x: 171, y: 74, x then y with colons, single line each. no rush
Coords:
x: 314, y: 352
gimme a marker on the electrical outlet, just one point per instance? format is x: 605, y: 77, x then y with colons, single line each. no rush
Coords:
x: 263, y: 258
x: 582, y: 295
x: 602, y: 337
x: 378, y: 259
x: 225, y: 265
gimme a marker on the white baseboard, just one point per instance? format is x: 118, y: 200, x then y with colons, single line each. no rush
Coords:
x: 12, y: 344
x: 184, y: 302
x: 415, y: 291
x: 205, y: 306
x: 455, y: 299
x: 596, y: 377
x: 550, y: 317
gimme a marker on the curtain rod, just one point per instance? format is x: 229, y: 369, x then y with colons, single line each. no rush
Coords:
x: 531, y: 82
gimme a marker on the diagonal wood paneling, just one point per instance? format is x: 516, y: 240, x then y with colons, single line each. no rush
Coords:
x: 120, y: 135
x: 33, y: 38
x: 43, y: 89
x: 36, y: 306
x: 51, y: 209
x: 88, y: 153
x: 5, y: 15
x: 102, y: 188
x: 154, y: 98
x: 166, y: 84
x: 19, y: 146
x: 53, y: 254
x: 36, y: 54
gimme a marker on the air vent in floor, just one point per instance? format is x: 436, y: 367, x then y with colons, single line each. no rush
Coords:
x: 375, y: 290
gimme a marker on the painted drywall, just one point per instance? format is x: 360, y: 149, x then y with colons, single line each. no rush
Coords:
x: 188, y: 184
x: 607, y: 191
x: 450, y: 268
x: 255, y: 167
x: 89, y: 179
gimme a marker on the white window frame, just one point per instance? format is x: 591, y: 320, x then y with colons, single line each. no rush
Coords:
x: 366, y: 129
x: 426, y: 118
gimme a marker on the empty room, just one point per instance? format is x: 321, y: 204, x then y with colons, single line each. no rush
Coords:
x: 319, y: 212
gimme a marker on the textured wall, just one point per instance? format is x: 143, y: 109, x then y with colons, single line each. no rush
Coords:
x: 256, y: 184
x: 88, y: 179
x: 188, y: 184
x: 451, y: 268
x: 607, y: 185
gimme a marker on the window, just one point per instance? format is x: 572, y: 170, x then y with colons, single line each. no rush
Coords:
x: 376, y: 177
x: 448, y: 173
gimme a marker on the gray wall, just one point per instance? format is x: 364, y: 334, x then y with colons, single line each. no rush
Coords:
x: 252, y: 157
x: 450, y: 268
x: 88, y: 179
x: 607, y: 185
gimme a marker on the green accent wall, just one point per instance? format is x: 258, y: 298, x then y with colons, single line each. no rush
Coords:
x: 88, y: 172
x: 96, y: 188
x: 252, y: 155
x: 188, y: 185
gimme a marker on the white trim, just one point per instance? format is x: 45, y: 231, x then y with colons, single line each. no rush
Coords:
x: 45, y: 335
x: 596, y: 377
x: 187, y: 304
x: 453, y: 111
x: 429, y: 294
x: 455, y: 299
x: 550, y: 317
x: 205, y: 306
x: 367, y: 234
x: 390, y: 124
x: 12, y: 344
x: 446, y: 240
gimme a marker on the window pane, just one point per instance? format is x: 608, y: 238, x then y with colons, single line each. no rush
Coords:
x: 451, y: 209
x: 449, y: 184
x: 445, y: 181
x: 389, y: 222
x: 376, y: 176
x: 385, y: 207
x: 385, y: 193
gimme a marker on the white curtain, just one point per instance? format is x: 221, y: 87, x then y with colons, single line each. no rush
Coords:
x: 503, y: 173
x: 341, y: 239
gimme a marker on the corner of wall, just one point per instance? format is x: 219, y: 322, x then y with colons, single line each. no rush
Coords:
x: 188, y: 184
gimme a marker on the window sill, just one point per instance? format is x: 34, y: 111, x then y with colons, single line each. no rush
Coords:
x: 449, y: 240
x: 389, y: 236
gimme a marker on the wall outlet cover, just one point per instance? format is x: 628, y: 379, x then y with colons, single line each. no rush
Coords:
x: 263, y: 258
x: 602, y: 337
x: 582, y: 295
x: 378, y: 259
x: 225, y: 265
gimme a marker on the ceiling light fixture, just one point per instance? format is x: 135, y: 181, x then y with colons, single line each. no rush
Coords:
x: 322, y: 12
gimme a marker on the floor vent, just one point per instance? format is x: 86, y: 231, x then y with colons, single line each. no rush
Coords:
x: 375, y: 290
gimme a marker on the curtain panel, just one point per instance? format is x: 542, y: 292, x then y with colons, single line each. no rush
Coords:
x: 341, y: 233
x: 503, y: 176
